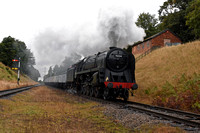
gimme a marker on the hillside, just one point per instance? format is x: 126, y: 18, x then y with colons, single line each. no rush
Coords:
x: 8, y: 78
x: 170, y: 77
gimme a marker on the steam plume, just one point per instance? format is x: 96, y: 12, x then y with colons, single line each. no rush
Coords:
x: 118, y: 28
x: 113, y: 27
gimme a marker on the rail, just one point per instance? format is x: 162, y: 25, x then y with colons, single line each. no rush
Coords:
x: 4, y: 93
x: 176, y: 116
x: 186, y: 120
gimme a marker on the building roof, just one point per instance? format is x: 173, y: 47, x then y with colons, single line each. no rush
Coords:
x: 153, y: 36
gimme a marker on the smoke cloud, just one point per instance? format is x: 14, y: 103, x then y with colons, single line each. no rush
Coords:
x: 118, y: 28
x: 113, y: 27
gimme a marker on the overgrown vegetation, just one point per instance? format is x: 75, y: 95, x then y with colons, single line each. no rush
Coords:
x: 170, y: 77
x: 184, y: 94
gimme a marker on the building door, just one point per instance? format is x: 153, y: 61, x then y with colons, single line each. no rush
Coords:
x: 167, y: 42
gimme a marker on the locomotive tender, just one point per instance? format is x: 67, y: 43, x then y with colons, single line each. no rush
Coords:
x: 109, y: 74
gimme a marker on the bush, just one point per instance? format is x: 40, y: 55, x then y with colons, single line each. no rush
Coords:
x: 185, y: 94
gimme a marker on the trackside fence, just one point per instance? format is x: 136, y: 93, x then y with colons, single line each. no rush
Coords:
x: 147, y: 52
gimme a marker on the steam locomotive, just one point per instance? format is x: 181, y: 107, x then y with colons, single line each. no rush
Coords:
x: 109, y: 74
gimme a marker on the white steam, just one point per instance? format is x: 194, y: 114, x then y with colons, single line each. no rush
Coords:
x: 118, y: 28
x: 113, y: 27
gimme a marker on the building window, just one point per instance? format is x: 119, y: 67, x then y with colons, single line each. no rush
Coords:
x: 167, y: 42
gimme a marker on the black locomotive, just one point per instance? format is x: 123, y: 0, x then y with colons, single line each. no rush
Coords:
x: 109, y: 74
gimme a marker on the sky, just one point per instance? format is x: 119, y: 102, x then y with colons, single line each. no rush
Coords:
x: 55, y: 29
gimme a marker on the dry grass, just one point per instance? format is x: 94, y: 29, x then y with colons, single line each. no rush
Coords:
x: 8, y: 79
x: 50, y: 110
x: 10, y: 85
x: 166, y: 64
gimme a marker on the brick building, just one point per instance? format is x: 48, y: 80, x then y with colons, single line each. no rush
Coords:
x: 161, y: 39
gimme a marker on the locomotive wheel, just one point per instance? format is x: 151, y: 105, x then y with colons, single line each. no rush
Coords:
x: 126, y: 95
x: 84, y: 91
x: 106, y: 94
x: 79, y: 90
x: 91, y: 92
x: 97, y: 92
x: 87, y: 91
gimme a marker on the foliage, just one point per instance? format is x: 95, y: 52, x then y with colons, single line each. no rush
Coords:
x: 148, y: 22
x: 172, y: 6
x: 193, y: 17
x: 66, y: 63
x: 172, y: 15
x: 151, y: 91
x: 185, y: 94
x: 180, y: 16
x: 50, y: 73
x: 33, y: 73
x: 11, y: 48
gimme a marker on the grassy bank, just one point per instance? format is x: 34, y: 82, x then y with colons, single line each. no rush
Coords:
x: 49, y: 110
x: 8, y: 78
x: 170, y: 77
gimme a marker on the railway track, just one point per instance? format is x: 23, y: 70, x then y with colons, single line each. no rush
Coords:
x: 189, y: 121
x: 186, y: 120
x: 16, y: 90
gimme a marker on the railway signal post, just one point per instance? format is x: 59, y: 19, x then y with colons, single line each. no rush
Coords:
x: 16, y: 66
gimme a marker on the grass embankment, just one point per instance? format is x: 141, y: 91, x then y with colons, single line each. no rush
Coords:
x: 170, y: 77
x: 8, y: 78
x: 50, y: 110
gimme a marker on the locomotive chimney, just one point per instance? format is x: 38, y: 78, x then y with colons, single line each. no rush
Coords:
x: 112, y: 47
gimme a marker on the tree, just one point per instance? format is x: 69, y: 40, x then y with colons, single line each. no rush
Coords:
x: 11, y: 48
x: 56, y: 70
x: 66, y: 63
x: 50, y: 72
x: 33, y: 73
x: 148, y: 22
x: 193, y: 17
x: 172, y: 6
x: 172, y: 15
